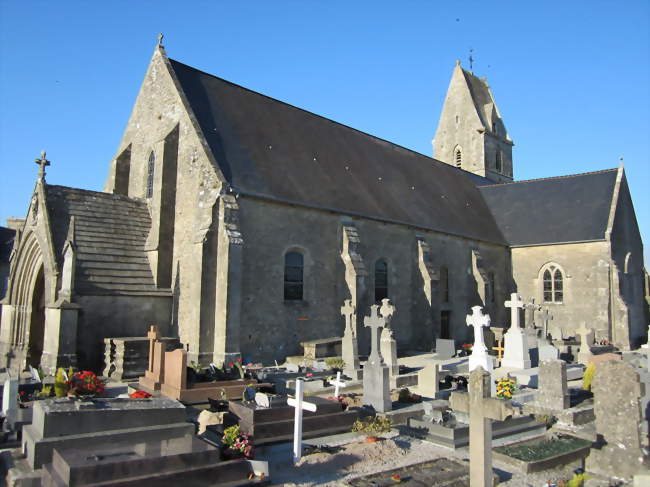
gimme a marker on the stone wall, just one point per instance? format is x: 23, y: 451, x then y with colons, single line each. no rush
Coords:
x: 272, y: 328
x: 585, y: 268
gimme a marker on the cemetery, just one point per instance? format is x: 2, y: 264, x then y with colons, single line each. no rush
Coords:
x: 477, y: 415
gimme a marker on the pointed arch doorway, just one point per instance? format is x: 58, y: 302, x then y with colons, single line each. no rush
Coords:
x: 37, y: 320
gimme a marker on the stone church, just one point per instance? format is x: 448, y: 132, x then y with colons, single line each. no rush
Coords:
x: 240, y: 224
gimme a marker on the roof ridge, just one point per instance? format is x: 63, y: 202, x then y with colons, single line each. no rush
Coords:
x: 313, y: 113
x: 566, y: 176
x: 100, y: 193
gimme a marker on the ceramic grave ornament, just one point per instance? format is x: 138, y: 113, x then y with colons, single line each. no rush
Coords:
x: 299, y: 404
x: 516, y: 344
x: 262, y: 400
x: 480, y: 356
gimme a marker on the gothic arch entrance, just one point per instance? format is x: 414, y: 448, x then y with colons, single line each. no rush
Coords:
x: 37, y: 321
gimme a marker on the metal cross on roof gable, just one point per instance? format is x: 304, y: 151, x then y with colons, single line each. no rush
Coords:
x: 42, y: 162
x: 471, y: 60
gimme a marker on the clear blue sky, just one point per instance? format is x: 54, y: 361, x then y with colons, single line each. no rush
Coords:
x: 571, y: 78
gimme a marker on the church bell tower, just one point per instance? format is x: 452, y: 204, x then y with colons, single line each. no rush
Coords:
x: 471, y: 134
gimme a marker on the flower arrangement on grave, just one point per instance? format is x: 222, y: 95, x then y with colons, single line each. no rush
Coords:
x: 239, y: 368
x: 140, y: 394
x: 588, y: 376
x: 85, y: 383
x: 506, y: 387
x: 342, y: 400
x: 397, y: 478
x: 237, y: 444
x: 61, y: 382
x: 376, y: 424
x: 407, y: 396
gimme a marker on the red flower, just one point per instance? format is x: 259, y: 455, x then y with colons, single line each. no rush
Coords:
x: 22, y: 393
x: 239, y: 360
x: 309, y: 374
x: 231, y: 364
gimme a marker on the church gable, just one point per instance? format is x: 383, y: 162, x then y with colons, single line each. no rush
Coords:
x: 269, y: 149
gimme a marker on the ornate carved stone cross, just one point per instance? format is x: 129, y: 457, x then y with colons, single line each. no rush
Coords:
x: 348, y: 310
x: 375, y: 323
x: 530, y: 308
x: 514, y: 304
x: 546, y: 317
x: 387, y: 310
x: 479, y: 355
x: 482, y: 410
x: 42, y: 162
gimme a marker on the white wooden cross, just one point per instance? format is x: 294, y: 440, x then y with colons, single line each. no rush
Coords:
x: 514, y: 304
x: 479, y: 351
x: 299, y: 404
x: 337, y: 384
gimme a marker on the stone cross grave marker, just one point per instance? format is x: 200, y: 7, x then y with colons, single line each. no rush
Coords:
x: 155, y: 373
x: 516, y: 343
x: 376, y: 380
x: 480, y: 356
x: 338, y: 383
x: 530, y: 308
x: 388, y: 343
x: 546, y: 318
x: 586, y: 342
x: 349, y: 347
x: 299, y: 404
x: 553, y: 392
x: 617, y: 391
x: 482, y: 411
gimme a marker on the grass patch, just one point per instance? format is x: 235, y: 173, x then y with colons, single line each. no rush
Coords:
x: 541, y: 449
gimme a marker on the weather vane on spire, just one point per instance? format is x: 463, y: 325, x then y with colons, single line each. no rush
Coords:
x: 471, y: 60
x: 160, y: 39
x: 42, y: 162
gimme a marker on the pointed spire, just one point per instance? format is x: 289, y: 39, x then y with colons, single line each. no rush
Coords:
x: 160, y: 39
x: 42, y: 162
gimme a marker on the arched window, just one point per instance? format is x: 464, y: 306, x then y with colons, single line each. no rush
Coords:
x: 381, y: 280
x: 151, y: 165
x: 458, y: 156
x: 293, y: 276
x: 499, y: 162
x: 444, y: 284
x: 553, y: 285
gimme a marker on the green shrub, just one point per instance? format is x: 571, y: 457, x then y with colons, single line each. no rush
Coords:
x: 335, y: 363
x: 375, y: 424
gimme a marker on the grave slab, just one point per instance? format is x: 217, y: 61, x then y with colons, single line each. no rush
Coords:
x: 61, y: 423
x: 274, y: 424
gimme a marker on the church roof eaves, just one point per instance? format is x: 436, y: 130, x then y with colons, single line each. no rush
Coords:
x: 275, y: 150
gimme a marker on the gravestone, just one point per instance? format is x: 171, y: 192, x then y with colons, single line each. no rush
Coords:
x: 349, y: 347
x: 338, y: 383
x: 529, y: 310
x: 388, y: 343
x: 10, y: 397
x: 445, y: 349
x: 546, y: 350
x: 516, y: 345
x: 482, y: 410
x: 552, y: 385
x: 429, y: 380
x: 376, y: 379
x: 480, y: 356
x: 154, y: 375
x: 586, y: 342
x: 67, y: 423
x: 617, y: 391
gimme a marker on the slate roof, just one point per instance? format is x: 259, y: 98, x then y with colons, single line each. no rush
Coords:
x: 7, y: 236
x: 563, y: 209
x: 270, y: 149
x: 110, y: 232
